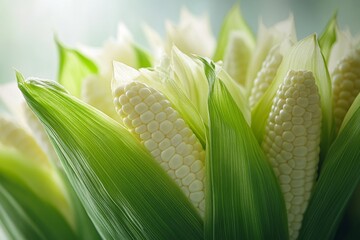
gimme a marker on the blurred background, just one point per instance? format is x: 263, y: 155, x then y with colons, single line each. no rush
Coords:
x: 27, y: 27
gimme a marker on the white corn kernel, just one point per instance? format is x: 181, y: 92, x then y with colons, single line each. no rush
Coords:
x: 165, y: 135
x: 294, y: 164
x: 265, y: 76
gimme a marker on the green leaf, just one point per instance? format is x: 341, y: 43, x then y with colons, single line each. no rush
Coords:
x: 338, y: 179
x: 73, y: 69
x: 236, y: 91
x: 14, y: 220
x: 349, y: 225
x: 352, y: 110
x: 305, y: 55
x: 328, y: 37
x: 85, y: 228
x: 143, y: 58
x: 243, y: 199
x: 24, y: 211
x: 187, y: 74
x: 232, y: 22
x: 125, y: 192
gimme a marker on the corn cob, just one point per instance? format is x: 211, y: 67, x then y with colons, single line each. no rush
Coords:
x: 151, y: 118
x: 15, y: 137
x: 95, y: 91
x: 346, y: 85
x: 265, y: 76
x: 292, y: 141
x: 234, y: 61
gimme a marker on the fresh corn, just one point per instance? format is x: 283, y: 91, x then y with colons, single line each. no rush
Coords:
x: 346, y: 85
x: 265, y: 76
x: 15, y: 137
x: 236, y: 59
x: 292, y: 142
x: 151, y: 118
x: 95, y: 91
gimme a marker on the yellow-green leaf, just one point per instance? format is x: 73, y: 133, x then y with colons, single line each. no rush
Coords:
x: 143, y: 58
x: 328, y: 37
x: 31, y: 203
x: 73, y: 68
x: 124, y: 191
x: 243, y: 198
x: 233, y: 21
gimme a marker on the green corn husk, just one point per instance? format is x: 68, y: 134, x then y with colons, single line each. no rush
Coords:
x: 350, y: 225
x: 26, y: 212
x: 305, y: 55
x: 85, y: 228
x: 188, y: 75
x: 232, y: 22
x: 14, y: 221
x: 124, y: 191
x: 337, y: 182
x: 236, y: 91
x: 143, y: 58
x: 23, y: 160
x: 328, y: 37
x: 74, y: 67
x: 243, y: 198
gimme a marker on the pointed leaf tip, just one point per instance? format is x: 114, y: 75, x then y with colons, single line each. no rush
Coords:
x: 19, y: 77
x: 209, y: 71
x: 233, y: 21
x: 74, y: 67
x: 328, y: 37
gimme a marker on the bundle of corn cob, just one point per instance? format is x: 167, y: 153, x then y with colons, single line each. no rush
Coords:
x: 260, y: 145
